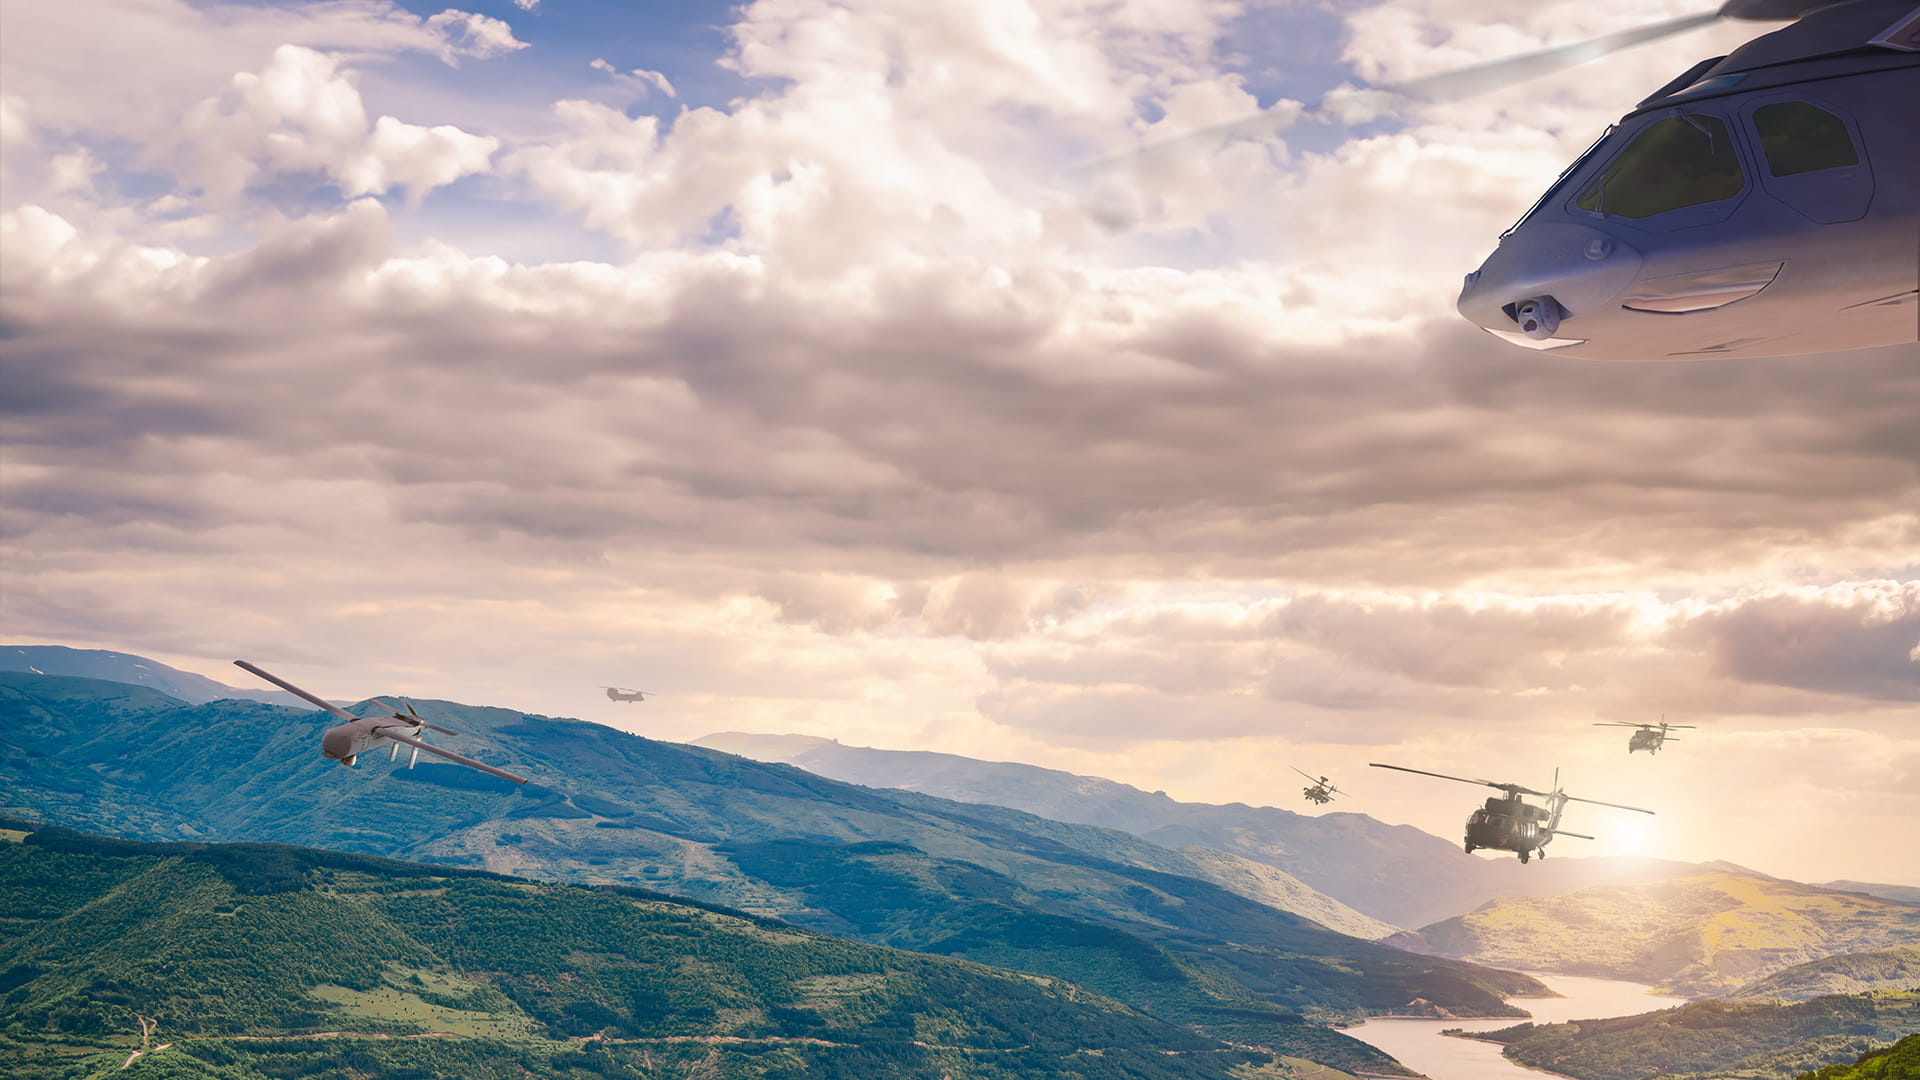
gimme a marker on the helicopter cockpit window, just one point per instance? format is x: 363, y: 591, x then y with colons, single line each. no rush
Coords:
x: 1799, y: 137
x: 1677, y: 162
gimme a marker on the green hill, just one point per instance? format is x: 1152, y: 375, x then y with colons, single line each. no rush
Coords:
x: 612, y: 808
x: 256, y: 960
x: 1716, y: 1040
x: 1692, y: 936
x: 1848, y: 973
x: 1901, y: 1061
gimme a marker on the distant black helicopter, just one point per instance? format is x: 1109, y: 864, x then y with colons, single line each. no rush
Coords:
x: 1648, y: 737
x: 1761, y: 203
x: 1321, y: 791
x: 615, y: 693
x: 1512, y: 823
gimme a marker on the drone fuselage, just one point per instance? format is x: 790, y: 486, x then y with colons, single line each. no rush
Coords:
x: 345, y: 742
x: 1764, y: 203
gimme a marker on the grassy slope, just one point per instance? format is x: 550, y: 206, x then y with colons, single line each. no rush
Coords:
x: 1692, y: 936
x: 1848, y: 973
x: 1900, y: 1061
x: 244, y: 952
x: 1717, y: 1040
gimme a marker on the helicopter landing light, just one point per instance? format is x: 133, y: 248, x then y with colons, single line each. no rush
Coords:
x: 1521, y: 339
x: 1703, y: 291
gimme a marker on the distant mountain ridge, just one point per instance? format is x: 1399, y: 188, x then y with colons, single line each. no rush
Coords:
x: 974, y: 882
x: 1395, y: 873
x: 136, y: 670
x: 1693, y: 936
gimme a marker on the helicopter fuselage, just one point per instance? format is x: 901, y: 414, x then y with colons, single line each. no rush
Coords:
x: 1763, y: 203
x: 1510, y: 825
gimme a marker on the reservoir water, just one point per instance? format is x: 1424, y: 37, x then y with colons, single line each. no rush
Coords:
x: 1419, y: 1045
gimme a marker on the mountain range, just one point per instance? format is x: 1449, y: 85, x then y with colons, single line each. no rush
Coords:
x: 982, y: 883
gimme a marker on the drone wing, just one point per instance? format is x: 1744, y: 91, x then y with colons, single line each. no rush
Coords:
x: 292, y: 689
x: 391, y: 733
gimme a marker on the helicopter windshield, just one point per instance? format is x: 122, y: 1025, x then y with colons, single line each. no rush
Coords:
x: 1674, y: 163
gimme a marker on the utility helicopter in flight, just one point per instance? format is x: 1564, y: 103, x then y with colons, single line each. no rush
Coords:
x: 1321, y: 791
x: 1762, y: 203
x: 1648, y: 737
x: 345, y: 743
x: 616, y: 693
x: 1513, y: 824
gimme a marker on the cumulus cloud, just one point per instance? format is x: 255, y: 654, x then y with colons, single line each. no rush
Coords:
x: 303, y: 115
x: 873, y: 431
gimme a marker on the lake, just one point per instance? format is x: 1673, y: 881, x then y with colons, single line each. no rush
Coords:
x: 1419, y: 1045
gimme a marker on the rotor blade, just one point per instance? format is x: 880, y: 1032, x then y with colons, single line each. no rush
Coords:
x: 1362, y: 105
x: 1616, y: 723
x: 1498, y: 74
x: 1597, y: 802
x: 292, y: 689
x: 1462, y: 779
x: 1307, y: 775
x: 451, y: 756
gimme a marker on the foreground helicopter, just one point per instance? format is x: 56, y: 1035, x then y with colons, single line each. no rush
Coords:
x: 1320, y: 791
x: 346, y: 742
x: 1648, y: 737
x: 1761, y: 203
x: 615, y: 693
x: 1512, y: 823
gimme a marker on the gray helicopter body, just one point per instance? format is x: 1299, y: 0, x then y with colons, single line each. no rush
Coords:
x: 1762, y: 203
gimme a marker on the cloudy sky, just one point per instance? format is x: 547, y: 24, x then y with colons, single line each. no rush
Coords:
x: 783, y: 359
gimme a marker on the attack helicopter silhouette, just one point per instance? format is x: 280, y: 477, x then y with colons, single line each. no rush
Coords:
x: 616, y: 693
x: 1513, y: 824
x: 1320, y: 791
x: 1648, y: 737
x: 1761, y: 203
x: 346, y: 742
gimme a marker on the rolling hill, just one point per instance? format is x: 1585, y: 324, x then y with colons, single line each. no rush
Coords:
x: 1394, y: 873
x: 612, y: 808
x: 256, y: 960
x: 1694, y: 936
x: 1848, y: 973
x: 136, y: 670
x: 1716, y: 1040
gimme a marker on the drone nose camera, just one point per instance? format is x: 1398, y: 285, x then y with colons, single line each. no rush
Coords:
x: 1538, y: 317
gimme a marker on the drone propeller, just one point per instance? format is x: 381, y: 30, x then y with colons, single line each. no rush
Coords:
x: 411, y: 717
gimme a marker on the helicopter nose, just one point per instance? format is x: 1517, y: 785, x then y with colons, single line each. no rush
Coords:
x: 1542, y: 278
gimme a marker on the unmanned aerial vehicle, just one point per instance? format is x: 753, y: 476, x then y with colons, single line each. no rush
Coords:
x: 345, y: 743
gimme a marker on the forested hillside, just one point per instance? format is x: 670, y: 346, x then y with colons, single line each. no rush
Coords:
x: 1716, y: 1040
x: 612, y: 808
x: 259, y: 960
x: 1848, y: 973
